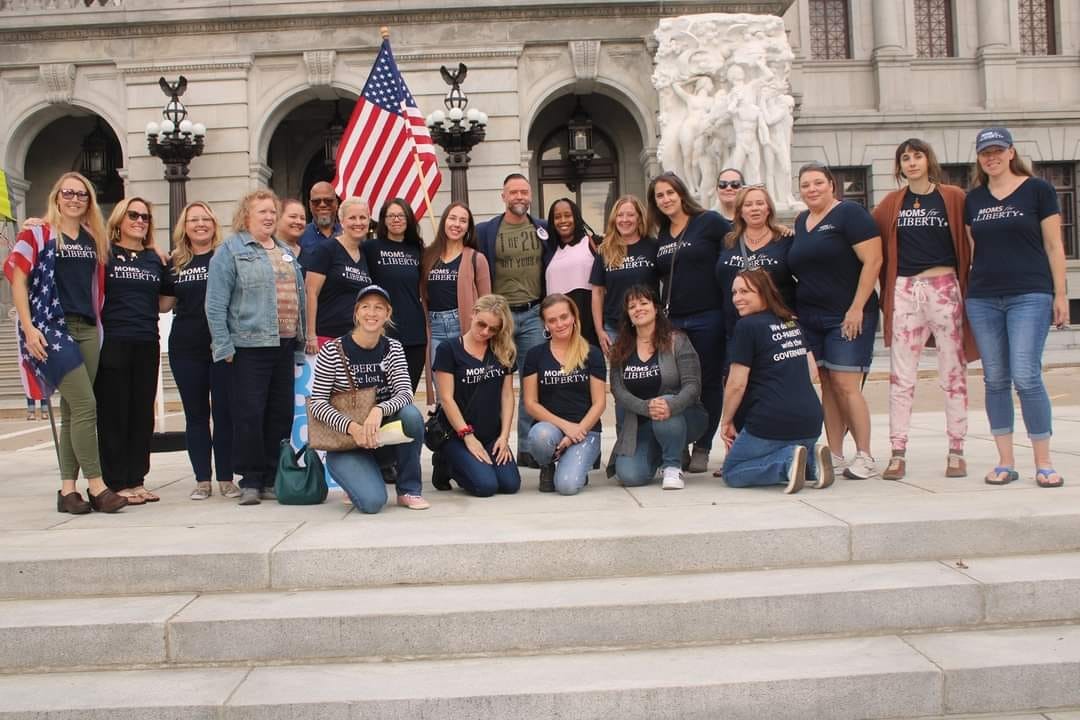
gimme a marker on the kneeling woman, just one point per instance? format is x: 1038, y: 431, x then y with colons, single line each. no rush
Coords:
x: 770, y: 394
x: 656, y: 376
x: 564, y: 390
x: 474, y: 376
x: 375, y: 361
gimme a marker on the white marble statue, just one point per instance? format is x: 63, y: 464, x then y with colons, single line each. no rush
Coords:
x: 722, y: 80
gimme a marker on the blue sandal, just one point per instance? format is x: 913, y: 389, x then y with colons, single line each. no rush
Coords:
x: 1042, y: 478
x: 995, y: 476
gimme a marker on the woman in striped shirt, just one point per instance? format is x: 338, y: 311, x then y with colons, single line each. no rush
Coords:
x: 374, y: 361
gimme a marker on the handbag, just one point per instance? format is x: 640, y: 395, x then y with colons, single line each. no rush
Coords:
x: 299, y: 485
x: 437, y: 427
x: 355, y: 403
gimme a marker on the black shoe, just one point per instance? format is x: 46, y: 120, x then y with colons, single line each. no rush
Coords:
x: 547, y: 478
x: 389, y: 474
x: 440, y: 473
x: 525, y: 460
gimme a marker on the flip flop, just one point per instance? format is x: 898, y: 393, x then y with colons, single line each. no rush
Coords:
x: 1043, y: 475
x: 994, y: 477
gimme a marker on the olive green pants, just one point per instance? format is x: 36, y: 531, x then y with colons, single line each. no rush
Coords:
x: 78, y: 408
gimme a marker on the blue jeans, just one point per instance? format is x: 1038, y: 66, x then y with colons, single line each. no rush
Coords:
x: 572, y: 468
x: 528, y: 333
x: 1011, y: 332
x: 705, y: 331
x: 204, y: 391
x: 477, y: 478
x: 754, y: 461
x: 445, y: 325
x: 660, y: 444
x: 357, y: 471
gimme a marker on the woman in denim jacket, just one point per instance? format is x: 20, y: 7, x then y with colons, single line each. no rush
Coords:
x: 256, y: 318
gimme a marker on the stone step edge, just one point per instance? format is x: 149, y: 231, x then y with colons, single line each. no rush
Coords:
x: 545, y: 616
x: 927, y: 675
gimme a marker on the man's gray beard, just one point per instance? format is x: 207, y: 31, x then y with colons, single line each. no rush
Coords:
x: 514, y: 210
x: 324, y: 221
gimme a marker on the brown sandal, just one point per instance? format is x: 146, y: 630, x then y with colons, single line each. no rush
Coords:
x: 132, y: 497
x: 145, y: 494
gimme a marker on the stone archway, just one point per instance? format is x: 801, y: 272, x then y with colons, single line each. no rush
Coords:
x: 295, y: 150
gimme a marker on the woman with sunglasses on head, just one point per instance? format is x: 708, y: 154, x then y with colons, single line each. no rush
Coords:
x: 335, y: 270
x: 373, y: 361
x: 690, y: 239
x: 728, y: 184
x: 923, y: 282
x: 1016, y: 291
x: 126, y: 382
x: 836, y: 255
x: 203, y: 384
x: 256, y: 314
x: 74, y: 233
x: 570, y: 267
x: 656, y: 378
x: 770, y: 395
x: 474, y: 374
x: 627, y: 257
x: 393, y: 258
x: 564, y: 390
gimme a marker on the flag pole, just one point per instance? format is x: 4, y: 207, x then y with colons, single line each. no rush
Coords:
x: 385, y: 33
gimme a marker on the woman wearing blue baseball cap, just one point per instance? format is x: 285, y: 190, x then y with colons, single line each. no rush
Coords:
x: 1016, y: 290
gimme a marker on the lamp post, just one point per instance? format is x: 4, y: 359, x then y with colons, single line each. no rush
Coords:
x: 457, y: 131
x: 176, y: 140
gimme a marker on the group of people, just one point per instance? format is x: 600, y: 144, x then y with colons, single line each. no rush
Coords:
x: 701, y: 320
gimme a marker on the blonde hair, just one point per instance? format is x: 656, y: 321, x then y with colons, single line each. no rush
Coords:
x: 92, y: 220
x: 182, y: 253
x: 613, y: 248
x: 117, y: 216
x: 502, y: 344
x: 389, y: 312
x: 243, y: 209
x: 579, y: 346
x: 738, y: 225
x: 348, y: 203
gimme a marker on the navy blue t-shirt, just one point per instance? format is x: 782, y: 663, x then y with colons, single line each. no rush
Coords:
x: 638, y: 268
x: 367, y: 367
x: 395, y: 266
x: 780, y: 402
x: 565, y: 395
x: 824, y: 261
x: 442, y: 285
x: 132, y: 287
x: 345, y: 277
x: 693, y: 285
x: 923, y: 237
x: 190, y: 332
x: 642, y: 377
x: 76, y: 272
x: 772, y: 258
x: 477, y: 386
x: 1009, y: 257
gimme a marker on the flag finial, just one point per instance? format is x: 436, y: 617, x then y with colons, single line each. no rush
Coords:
x: 385, y: 32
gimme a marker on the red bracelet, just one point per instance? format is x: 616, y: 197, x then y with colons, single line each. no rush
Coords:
x: 466, y: 430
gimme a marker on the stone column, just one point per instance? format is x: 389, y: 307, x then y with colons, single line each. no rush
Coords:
x: 996, y: 55
x: 891, y: 57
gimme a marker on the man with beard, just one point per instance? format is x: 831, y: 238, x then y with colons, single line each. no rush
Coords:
x: 518, y: 249
x: 324, y: 220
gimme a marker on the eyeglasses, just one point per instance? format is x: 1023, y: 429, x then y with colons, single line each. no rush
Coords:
x: 69, y: 194
x: 395, y: 216
x: 138, y: 216
x: 323, y: 201
x: 725, y: 184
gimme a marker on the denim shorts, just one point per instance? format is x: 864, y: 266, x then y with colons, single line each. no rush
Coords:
x: 822, y: 333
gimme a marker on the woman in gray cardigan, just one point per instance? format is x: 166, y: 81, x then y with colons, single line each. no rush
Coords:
x: 656, y: 380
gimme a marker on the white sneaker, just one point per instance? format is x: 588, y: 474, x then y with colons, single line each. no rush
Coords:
x: 861, y: 467
x: 672, y: 479
x: 796, y: 474
x: 839, y: 462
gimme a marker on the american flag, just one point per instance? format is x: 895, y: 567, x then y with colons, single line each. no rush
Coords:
x: 375, y: 159
x: 35, y: 254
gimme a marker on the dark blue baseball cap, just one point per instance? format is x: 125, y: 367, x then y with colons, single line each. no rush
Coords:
x: 993, y: 137
x: 373, y: 290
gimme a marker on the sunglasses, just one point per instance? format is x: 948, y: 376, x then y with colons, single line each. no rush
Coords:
x: 484, y: 326
x: 68, y: 194
x: 323, y: 201
x: 725, y: 184
x: 136, y: 216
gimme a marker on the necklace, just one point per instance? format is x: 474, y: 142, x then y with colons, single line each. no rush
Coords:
x: 757, y: 240
x: 918, y: 204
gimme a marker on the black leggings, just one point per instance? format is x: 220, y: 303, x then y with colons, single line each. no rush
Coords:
x: 125, y: 387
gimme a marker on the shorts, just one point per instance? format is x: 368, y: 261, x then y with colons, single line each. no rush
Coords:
x: 823, y: 337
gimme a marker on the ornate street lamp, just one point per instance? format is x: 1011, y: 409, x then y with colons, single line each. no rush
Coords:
x: 581, y: 139
x: 457, y: 131
x: 95, y: 160
x: 176, y: 140
x: 332, y: 139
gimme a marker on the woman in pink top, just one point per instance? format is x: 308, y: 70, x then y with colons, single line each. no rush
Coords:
x: 569, y: 269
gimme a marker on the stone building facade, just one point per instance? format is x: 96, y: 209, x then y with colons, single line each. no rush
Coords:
x: 268, y: 77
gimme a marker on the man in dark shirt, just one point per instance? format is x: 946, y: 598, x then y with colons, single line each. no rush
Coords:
x: 518, y: 248
x: 324, y: 210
